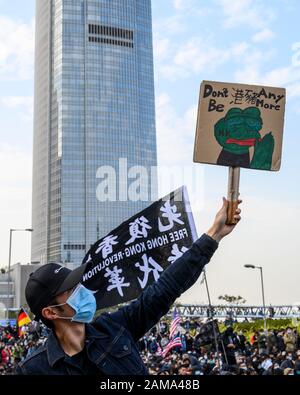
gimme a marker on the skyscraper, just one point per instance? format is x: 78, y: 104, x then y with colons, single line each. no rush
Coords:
x: 94, y: 104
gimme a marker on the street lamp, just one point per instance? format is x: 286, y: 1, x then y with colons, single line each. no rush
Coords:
x: 263, y: 295
x: 9, y: 258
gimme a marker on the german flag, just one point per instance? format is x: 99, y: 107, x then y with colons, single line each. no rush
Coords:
x: 23, y: 319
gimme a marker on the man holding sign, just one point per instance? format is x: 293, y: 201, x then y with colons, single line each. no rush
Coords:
x: 108, y: 345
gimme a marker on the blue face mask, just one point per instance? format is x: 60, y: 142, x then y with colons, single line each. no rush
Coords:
x: 83, y: 302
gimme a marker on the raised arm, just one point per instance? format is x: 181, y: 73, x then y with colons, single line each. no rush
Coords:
x: 142, y: 314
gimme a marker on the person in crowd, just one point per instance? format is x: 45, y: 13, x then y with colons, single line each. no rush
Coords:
x: 241, y: 341
x: 230, y: 342
x: 280, y: 341
x: 262, y: 342
x: 297, y: 364
x: 287, y: 361
x: 271, y: 341
x: 290, y: 340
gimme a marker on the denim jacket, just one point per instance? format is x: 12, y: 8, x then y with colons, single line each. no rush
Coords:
x: 111, y: 339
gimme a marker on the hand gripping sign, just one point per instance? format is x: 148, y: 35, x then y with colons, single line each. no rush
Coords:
x: 238, y: 126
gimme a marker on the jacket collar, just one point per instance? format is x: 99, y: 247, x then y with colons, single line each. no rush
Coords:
x: 92, y: 333
x: 55, y: 351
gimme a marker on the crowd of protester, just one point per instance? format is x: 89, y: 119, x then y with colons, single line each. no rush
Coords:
x: 234, y: 353
x: 16, y: 346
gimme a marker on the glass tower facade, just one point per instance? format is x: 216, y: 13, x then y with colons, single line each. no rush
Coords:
x: 94, y: 105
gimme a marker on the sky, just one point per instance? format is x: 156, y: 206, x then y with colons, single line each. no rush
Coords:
x: 245, y: 41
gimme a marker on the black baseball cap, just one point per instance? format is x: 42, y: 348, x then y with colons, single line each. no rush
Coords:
x: 49, y: 281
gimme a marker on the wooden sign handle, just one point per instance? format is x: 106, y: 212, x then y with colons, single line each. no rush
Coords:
x: 233, y: 194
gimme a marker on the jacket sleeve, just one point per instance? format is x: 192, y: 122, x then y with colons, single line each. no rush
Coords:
x: 156, y: 300
x: 19, y: 370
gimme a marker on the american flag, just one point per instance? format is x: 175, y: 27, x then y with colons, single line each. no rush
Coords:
x: 175, y: 322
x: 176, y: 342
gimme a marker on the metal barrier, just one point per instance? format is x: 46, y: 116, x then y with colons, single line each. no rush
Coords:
x: 222, y: 311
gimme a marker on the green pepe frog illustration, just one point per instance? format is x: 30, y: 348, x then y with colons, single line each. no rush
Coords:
x: 237, y: 132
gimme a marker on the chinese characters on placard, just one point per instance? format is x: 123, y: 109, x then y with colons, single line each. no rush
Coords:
x: 148, y: 267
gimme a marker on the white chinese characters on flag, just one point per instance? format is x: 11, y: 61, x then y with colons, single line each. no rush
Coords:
x: 131, y: 257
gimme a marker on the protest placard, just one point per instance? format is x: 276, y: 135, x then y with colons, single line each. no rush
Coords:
x: 239, y: 125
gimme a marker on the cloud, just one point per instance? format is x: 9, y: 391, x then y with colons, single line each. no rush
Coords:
x: 197, y: 54
x: 296, y: 54
x: 200, y: 55
x: 282, y: 75
x: 24, y: 104
x: 180, y: 5
x: 191, y: 7
x: 263, y: 36
x: 249, y: 72
x: 16, y: 101
x: 255, y: 71
x: 170, y: 37
x: 172, y: 72
x: 286, y: 76
x: 297, y: 108
x: 175, y: 133
x: 192, y: 57
x: 175, y: 145
x: 15, y: 167
x: 294, y: 90
x: 161, y: 49
x: 251, y: 14
x: 240, y: 49
x: 16, y: 49
x: 174, y: 24
x: 178, y: 23
x: 178, y: 59
x: 15, y: 202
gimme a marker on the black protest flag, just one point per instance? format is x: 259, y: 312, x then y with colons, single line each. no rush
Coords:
x: 132, y: 256
x: 207, y: 333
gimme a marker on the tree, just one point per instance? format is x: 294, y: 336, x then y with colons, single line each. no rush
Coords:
x: 232, y: 300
